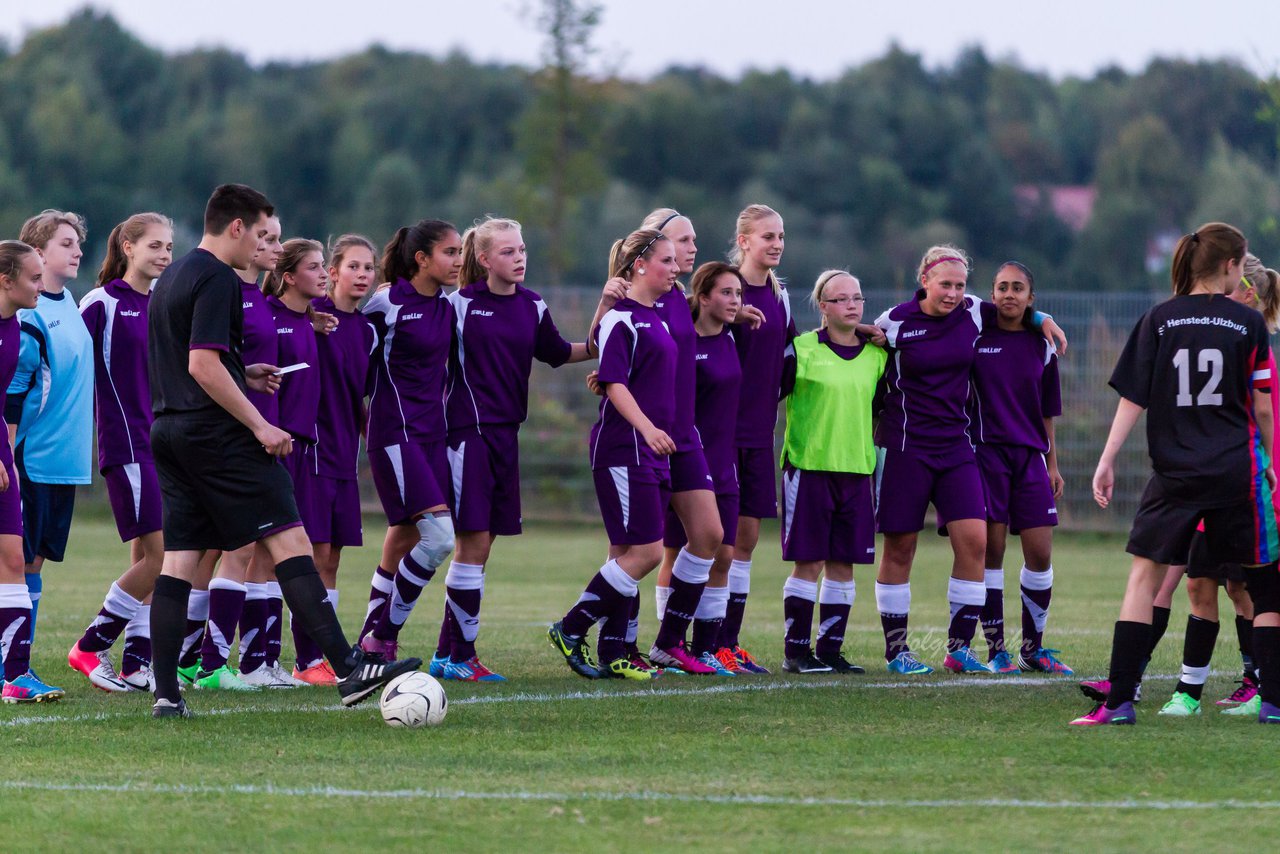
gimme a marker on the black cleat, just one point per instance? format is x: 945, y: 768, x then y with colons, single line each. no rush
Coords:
x: 575, y: 651
x: 169, y: 709
x: 369, y: 674
x: 837, y: 662
x: 806, y: 663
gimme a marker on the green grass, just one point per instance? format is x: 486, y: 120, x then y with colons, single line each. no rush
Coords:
x: 604, y: 769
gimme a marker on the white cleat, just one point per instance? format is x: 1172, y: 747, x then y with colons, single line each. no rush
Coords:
x: 141, y: 679
x: 97, y: 667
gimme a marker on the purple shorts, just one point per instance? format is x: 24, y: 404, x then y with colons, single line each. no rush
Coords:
x: 410, y: 479
x: 673, y: 536
x: 907, y: 482
x: 633, y: 502
x: 827, y: 516
x: 335, y: 512
x: 1016, y: 483
x: 134, y: 492
x: 301, y: 466
x: 757, y: 483
x: 11, y: 505
x: 485, y: 471
x: 689, y: 471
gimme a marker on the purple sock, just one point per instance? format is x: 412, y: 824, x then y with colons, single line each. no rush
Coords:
x: 893, y: 601
x: 612, y: 643
x: 1037, y: 591
x: 306, y: 651
x: 275, y: 622
x: 835, y: 601
x: 15, y: 637
x: 137, y: 642
x: 735, y: 611
x: 379, y: 595
x: 598, y: 600
x: 966, y: 598
x: 193, y: 637
x: 993, y: 612
x: 688, y: 578
x: 798, y: 598
x: 118, y: 608
x: 411, y: 579
x: 464, y: 589
x: 226, y: 601
x: 253, y: 628
x: 448, y: 633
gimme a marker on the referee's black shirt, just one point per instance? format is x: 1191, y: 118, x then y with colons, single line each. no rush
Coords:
x: 196, y: 305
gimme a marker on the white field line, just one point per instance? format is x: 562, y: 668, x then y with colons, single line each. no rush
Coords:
x: 848, y: 683
x: 642, y: 797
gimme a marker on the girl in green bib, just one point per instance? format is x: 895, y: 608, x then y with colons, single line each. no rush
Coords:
x: 828, y: 462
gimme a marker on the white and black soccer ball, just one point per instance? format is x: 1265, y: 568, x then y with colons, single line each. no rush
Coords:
x: 413, y: 700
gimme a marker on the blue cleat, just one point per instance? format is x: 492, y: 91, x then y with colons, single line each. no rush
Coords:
x: 1003, y: 662
x: 436, y: 668
x: 1043, y: 661
x: 28, y: 688
x: 907, y: 664
x: 964, y: 661
x: 471, y: 670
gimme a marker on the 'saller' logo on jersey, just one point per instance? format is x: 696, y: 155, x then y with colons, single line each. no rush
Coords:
x: 247, y: 305
x: 284, y: 330
x: 915, y: 333
x: 478, y: 313
x: 991, y: 350
x: 702, y: 357
x: 54, y: 323
x: 131, y: 314
x: 417, y: 315
x: 643, y: 325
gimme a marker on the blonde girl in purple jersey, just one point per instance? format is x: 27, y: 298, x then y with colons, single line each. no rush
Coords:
x: 21, y: 275
x: 115, y: 313
x: 757, y: 251
x: 407, y: 434
x: 630, y: 445
x: 502, y: 327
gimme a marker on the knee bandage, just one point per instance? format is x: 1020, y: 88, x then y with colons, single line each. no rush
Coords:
x: 435, y: 540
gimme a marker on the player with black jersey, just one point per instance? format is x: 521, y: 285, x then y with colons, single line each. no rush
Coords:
x: 1198, y: 365
x: 221, y: 485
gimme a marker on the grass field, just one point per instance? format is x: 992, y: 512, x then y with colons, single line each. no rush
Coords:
x: 549, y: 761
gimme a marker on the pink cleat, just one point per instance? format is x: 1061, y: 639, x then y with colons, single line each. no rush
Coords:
x: 97, y: 667
x: 679, y: 657
x: 1101, y: 716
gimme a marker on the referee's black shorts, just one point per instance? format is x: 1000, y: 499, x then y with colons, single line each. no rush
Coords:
x: 220, y: 489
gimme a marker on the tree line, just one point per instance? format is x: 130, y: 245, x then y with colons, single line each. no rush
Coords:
x: 867, y: 168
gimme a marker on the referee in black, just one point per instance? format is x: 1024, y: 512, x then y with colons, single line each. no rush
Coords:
x: 215, y: 455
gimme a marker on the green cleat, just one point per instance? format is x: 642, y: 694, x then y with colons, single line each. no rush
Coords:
x: 624, y: 668
x: 188, y: 675
x: 222, y: 679
x: 575, y: 651
x: 1181, y: 705
x: 1248, y: 709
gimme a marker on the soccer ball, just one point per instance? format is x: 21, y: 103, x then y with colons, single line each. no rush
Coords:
x: 413, y: 700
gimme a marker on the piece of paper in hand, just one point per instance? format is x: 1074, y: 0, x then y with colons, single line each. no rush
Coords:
x: 290, y: 369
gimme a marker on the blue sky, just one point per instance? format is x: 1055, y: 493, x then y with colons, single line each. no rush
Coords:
x: 636, y: 38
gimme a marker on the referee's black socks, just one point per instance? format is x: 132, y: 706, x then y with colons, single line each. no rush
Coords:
x: 168, y: 626
x: 308, y: 601
x: 1131, y: 643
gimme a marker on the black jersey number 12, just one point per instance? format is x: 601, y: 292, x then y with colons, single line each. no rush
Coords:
x: 1208, y: 362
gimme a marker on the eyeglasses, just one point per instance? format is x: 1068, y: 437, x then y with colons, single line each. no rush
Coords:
x: 844, y: 300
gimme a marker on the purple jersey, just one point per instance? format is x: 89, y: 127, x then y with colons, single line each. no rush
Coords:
x: 344, y: 370
x: 719, y: 381
x: 637, y: 351
x: 760, y: 351
x: 499, y: 336
x: 1015, y: 387
x: 259, y: 346
x: 10, y: 345
x: 930, y: 362
x: 410, y: 366
x: 116, y: 317
x: 673, y: 308
x: 299, y: 392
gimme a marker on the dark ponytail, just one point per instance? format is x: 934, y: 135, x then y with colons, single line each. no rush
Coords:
x: 1031, y: 287
x: 1199, y: 254
x: 398, y: 257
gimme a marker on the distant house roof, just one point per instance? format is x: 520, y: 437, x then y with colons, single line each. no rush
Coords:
x: 1072, y: 204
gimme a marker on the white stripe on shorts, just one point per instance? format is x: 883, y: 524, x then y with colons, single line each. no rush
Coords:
x: 623, y: 487
x: 133, y: 471
x: 456, y: 459
x: 397, y: 466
